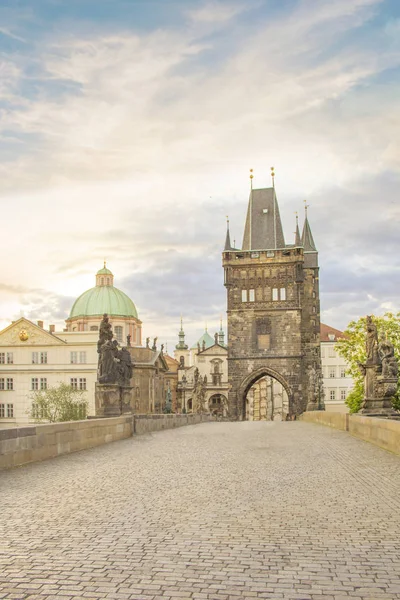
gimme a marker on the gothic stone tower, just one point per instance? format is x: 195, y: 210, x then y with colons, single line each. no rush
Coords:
x: 273, y: 309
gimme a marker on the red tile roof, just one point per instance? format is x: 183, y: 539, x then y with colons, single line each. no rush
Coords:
x: 326, y: 330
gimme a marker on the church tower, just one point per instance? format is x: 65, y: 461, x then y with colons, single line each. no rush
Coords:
x: 273, y: 309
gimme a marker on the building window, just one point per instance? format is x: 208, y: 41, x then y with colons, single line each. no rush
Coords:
x: 78, y: 358
x: 2, y: 383
x: 343, y: 394
x: 34, y: 383
x: 275, y: 294
x: 10, y: 358
x: 342, y: 372
x: 283, y: 293
x: 331, y: 352
x: 6, y: 411
x: 314, y: 309
x: 2, y: 358
x: 73, y: 383
x: 82, y: 383
x: 244, y: 295
x: 332, y: 395
x: 35, y: 358
x: 10, y: 383
x: 43, y: 358
x: 43, y: 383
x: 251, y: 296
x: 119, y: 332
x: 102, y: 281
x: 332, y: 372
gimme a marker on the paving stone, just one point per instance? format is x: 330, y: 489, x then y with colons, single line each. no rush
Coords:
x: 219, y: 511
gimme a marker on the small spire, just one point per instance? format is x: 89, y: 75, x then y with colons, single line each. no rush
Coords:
x: 297, y: 239
x: 307, y: 240
x: 206, y: 326
x: 227, y: 246
x: 181, y: 323
x: 105, y: 263
x: 306, y: 207
x: 251, y: 179
x: 181, y: 344
x: 221, y: 334
x: 273, y: 176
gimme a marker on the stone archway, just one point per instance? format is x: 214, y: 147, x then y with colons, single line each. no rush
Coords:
x: 257, y: 376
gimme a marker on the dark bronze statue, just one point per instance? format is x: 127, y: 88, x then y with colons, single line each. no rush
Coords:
x: 125, y: 367
x: 128, y: 340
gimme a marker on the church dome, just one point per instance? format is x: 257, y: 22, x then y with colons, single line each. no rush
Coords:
x: 103, y: 298
x: 206, y: 337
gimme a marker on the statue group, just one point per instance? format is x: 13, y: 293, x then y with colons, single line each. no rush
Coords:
x: 115, y: 363
x: 199, y: 392
x: 380, y: 373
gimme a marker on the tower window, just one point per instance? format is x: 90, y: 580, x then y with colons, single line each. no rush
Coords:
x: 283, y: 293
x: 244, y: 295
x: 275, y: 295
x: 251, y: 296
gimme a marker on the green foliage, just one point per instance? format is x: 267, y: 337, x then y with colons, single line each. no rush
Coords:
x: 352, y: 349
x: 58, y: 403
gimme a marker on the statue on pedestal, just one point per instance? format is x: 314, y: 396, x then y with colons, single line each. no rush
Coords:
x: 380, y: 374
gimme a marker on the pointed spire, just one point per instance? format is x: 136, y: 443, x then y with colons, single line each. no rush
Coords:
x: 297, y: 239
x: 181, y: 344
x: 221, y: 335
x: 228, y: 245
x: 307, y: 239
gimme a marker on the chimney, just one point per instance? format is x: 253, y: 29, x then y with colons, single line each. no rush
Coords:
x: 52, y: 328
x: 40, y: 324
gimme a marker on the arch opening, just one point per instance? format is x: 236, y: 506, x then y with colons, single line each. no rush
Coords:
x: 265, y: 396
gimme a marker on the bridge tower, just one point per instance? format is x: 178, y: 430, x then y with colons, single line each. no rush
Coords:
x: 273, y: 309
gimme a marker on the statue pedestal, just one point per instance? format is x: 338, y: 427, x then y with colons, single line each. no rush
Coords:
x: 126, y: 399
x: 107, y: 400
x: 379, y: 396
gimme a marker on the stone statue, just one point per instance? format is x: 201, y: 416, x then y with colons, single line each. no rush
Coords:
x: 390, y: 367
x: 147, y: 342
x: 105, y: 332
x: 204, y: 345
x: 168, y: 400
x: 216, y: 338
x: 198, y: 348
x: 125, y: 367
x: 182, y: 362
x: 128, y: 340
x: 162, y: 349
x: 107, y: 363
x: 372, y: 341
x: 154, y: 347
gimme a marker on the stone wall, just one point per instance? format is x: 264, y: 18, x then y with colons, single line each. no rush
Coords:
x: 23, y: 445
x: 384, y: 433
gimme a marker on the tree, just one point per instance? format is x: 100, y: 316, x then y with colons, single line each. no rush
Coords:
x: 352, y: 349
x: 58, y: 403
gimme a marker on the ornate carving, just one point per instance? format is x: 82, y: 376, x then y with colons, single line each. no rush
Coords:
x: 372, y: 341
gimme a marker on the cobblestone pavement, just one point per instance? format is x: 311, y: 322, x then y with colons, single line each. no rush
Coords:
x: 218, y: 511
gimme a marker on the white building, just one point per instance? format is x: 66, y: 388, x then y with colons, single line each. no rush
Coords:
x: 32, y: 358
x: 337, y: 383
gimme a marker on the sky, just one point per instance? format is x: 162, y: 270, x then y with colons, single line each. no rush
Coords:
x: 128, y: 128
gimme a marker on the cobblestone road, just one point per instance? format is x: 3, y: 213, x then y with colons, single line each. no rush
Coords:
x: 214, y: 511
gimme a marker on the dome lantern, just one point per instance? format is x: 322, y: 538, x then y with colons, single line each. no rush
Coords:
x: 104, y: 277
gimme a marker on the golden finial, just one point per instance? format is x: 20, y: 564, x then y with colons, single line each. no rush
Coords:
x: 251, y: 178
x: 306, y: 206
x: 227, y: 221
x: 273, y: 176
x: 105, y: 263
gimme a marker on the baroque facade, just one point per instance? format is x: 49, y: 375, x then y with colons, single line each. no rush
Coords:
x: 33, y: 358
x: 273, y: 309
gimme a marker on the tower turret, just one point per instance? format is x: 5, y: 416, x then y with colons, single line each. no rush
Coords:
x: 181, y: 344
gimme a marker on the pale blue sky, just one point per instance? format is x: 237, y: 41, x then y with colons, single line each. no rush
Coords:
x: 127, y: 130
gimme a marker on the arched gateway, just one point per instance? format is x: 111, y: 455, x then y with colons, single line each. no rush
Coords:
x: 273, y: 309
x: 265, y: 395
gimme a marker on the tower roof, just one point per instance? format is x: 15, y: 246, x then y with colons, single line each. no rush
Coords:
x: 263, y: 229
x: 307, y: 239
x: 228, y: 245
x: 206, y: 337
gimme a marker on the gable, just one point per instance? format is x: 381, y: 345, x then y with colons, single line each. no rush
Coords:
x: 215, y: 350
x: 26, y: 333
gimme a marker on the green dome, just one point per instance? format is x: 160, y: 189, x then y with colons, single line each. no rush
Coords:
x: 104, y: 271
x: 206, y: 337
x: 103, y: 299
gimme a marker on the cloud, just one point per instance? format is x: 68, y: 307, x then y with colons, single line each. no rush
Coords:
x: 216, y: 12
x: 134, y: 145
